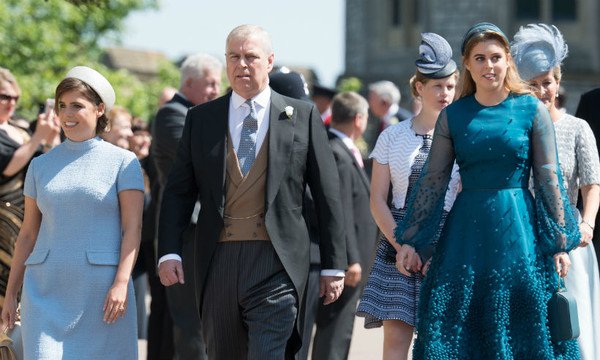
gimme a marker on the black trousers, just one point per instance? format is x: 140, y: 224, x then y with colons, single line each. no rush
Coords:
x: 310, y: 310
x: 181, y: 298
x: 335, y: 323
x: 250, y: 305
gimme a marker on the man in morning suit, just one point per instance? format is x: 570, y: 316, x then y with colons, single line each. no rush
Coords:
x: 200, y: 82
x: 349, y: 114
x: 247, y: 157
x: 589, y: 110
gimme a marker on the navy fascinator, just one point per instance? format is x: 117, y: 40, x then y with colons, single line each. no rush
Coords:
x: 435, y: 57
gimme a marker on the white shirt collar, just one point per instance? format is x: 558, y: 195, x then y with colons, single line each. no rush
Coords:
x: 326, y: 113
x: 262, y: 99
x: 392, y: 111
x: 345, y: 138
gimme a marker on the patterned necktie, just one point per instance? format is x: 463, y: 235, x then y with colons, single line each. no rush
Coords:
x: 247, y: 150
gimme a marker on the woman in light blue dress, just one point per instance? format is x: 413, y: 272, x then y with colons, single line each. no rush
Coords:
x: 80, y: 236
x: 495, y: 266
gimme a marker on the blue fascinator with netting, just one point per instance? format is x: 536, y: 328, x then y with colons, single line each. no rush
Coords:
x: 537, y: 49
x: 435, y: 57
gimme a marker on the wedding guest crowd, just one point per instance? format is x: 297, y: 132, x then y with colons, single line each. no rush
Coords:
x: 248, y: 216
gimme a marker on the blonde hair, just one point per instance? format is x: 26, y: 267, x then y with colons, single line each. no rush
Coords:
x: 419, y: 77
x: 7, y: 76
x: 512, y: 80
x: 557, y: 73
x: 115, y: 112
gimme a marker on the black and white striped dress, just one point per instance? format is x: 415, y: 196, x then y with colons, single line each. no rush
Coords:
x: 389, y: 295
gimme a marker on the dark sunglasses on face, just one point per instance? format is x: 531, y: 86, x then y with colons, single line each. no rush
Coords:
x: 4, y: 97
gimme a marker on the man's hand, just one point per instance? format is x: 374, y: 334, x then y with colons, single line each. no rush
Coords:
x: 353, y: 275
x: 331, y: 287
x: 170, y: 272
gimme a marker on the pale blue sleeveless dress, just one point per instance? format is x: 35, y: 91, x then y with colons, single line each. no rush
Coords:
x: 75, y: 258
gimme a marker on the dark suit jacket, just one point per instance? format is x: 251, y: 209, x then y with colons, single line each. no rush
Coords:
x: 589, y: 110
x: 167, y: 129
x: 361, y: 230
x: 298, y: 154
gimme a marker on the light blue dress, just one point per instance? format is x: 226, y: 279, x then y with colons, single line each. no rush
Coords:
x: 486, y: 293
x: 75, y: 258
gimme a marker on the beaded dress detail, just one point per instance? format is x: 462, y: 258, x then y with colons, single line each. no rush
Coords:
x: 492, y: 273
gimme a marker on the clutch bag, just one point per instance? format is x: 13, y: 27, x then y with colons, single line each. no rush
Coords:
x: 562, y: 314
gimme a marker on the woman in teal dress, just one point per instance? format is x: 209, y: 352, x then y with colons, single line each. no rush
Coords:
x: 494, y: 268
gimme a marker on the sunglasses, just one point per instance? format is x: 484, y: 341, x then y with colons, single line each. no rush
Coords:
x: 4, y: 97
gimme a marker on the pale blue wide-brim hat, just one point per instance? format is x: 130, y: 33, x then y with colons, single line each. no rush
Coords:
x: 537, y: 49
x: 435, y: 57
x: 97, y: 82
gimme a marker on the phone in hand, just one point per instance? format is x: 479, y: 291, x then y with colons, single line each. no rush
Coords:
x: 48, y: 108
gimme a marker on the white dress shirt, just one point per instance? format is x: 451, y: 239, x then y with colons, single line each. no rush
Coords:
x: 238, y: 110
x: 392, y: 111
x: 349, y: 144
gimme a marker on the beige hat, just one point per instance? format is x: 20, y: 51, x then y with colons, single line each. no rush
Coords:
x: 97, y: 82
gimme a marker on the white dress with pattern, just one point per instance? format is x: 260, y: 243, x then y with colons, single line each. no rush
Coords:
x: 578, y: 157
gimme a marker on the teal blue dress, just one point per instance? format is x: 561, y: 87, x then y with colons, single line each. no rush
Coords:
x: 485, y: 295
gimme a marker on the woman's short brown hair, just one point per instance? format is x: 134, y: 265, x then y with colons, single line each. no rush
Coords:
x: 73, y: 84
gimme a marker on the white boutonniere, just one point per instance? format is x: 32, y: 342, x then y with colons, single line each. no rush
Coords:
x: 289, y: 111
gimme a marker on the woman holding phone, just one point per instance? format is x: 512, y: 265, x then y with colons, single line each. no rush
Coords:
x: 17, y: 147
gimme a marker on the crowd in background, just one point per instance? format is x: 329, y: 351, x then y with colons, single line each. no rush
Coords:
x: 397, y: 186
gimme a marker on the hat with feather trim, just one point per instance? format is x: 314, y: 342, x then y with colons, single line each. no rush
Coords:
x: 537, y: 49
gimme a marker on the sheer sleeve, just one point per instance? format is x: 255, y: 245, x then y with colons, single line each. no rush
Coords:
x: 556, y: 224
x: 420, y: 225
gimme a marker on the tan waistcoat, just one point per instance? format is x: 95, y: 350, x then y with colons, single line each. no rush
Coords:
x: 244, y: 214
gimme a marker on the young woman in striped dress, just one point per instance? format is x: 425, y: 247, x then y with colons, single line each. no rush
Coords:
x: 390, y: 298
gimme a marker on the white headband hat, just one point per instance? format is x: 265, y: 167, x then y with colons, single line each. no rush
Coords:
x: 537, y: 49
x: 97, y: 82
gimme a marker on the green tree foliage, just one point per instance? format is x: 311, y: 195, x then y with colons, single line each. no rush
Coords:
x: 350, y: 84
x: 41, y: 40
